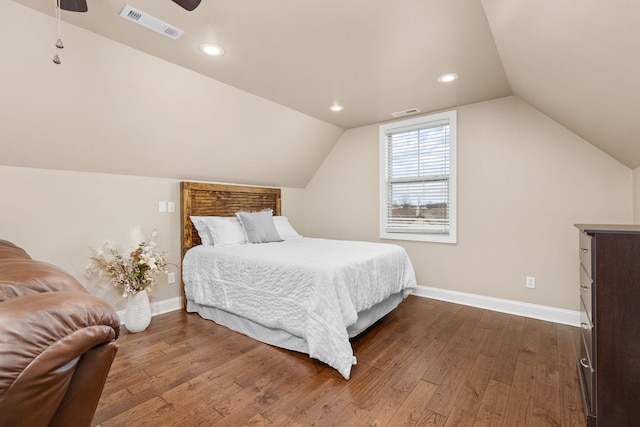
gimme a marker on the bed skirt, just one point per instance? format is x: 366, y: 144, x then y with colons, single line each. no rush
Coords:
x: 283, y: 339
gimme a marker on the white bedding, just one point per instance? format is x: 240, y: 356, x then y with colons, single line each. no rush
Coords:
x: 310, y: 288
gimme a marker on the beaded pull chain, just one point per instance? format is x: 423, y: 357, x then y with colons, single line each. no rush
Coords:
x: 59, y: 44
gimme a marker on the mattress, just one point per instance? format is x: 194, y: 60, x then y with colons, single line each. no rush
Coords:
x: 310, y: 289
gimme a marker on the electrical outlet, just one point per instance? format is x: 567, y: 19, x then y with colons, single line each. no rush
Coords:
x: 530, y: 282
x: 171, y: 277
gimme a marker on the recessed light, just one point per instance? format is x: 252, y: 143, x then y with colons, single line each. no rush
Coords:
x: 446, y: 78
x: 336, y: 108
x: 212, y: 49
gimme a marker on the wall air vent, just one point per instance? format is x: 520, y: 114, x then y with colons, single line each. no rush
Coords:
x: 405, y: 112
x: 150, y: 22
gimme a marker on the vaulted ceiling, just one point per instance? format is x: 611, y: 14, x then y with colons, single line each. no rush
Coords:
x: 575, y: 60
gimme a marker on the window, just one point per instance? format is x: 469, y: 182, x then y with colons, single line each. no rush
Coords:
x: 418, y: 179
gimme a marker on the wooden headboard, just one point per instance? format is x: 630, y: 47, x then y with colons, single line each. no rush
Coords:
x: 203, y: 199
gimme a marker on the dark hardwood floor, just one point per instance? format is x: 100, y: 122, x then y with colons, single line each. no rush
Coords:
x: 428, y: 363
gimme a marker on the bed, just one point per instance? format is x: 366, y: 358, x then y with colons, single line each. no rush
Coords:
x: 298, y: 293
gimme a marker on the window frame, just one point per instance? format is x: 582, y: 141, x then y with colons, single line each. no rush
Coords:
x: 421, y: 122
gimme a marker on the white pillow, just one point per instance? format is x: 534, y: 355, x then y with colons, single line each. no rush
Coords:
x: 259, y: 227
x: 200, y: 223
x: 285, y: 230
x: 219, y: 230
x: 226, y: 231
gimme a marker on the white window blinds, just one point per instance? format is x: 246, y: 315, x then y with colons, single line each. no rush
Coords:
x: 417, y: 189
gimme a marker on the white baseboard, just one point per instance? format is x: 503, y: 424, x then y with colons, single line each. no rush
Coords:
x: 159, y: 307
x: 542, y: 312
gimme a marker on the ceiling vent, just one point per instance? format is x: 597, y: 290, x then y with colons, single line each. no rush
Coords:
x: 405, y: 112
x: 150, y: 22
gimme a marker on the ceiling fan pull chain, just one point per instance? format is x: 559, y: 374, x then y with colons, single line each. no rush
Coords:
x: 59, y: 44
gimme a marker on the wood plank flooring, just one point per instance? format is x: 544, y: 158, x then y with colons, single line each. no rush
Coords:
x: 428, y: 363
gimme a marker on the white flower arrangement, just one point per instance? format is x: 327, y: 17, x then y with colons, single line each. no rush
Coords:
x: 130, y: 273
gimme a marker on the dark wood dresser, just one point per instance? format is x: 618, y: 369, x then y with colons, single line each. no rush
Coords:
x: 609, y: 363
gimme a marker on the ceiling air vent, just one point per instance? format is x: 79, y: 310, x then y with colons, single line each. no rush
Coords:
x: 150, y: 22
x: 405, y: 112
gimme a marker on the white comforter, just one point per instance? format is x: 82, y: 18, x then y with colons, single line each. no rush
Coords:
x: 311, y: 288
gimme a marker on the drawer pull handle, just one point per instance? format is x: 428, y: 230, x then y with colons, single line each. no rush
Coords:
x: 585, y: 325
x: 584, y: 250
x: 584, y: 363
x: 584, y: 288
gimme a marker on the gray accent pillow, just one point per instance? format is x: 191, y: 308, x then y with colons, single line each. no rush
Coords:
x: 259, y: 227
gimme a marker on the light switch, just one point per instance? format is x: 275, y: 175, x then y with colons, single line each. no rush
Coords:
x: 162, y: 206
x: 171, y: 207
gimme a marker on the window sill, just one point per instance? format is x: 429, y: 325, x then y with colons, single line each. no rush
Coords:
x: 420, y: 237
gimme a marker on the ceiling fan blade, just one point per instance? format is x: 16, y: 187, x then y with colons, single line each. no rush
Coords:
x: 187, y: 4
x: 74, y: 5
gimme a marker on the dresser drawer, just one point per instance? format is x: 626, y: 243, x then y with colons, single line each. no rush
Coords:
x: 586, y: 288
x: 585, y: 252
x: 586, y: 375
x: 586, y: 331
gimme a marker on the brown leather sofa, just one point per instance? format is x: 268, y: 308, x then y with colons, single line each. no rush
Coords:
x: 57, y: 344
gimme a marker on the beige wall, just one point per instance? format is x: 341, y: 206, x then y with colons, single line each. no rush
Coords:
x: 112, y: 109
x: 523, y: 181
x: 112, y: 112
x: 82, y: 142
x: 57, y: 215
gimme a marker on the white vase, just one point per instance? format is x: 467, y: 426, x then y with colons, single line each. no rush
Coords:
x: 137, y: 314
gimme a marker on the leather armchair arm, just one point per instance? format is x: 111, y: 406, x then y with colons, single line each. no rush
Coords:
x: 44, y: 339
x: 22, y: 276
